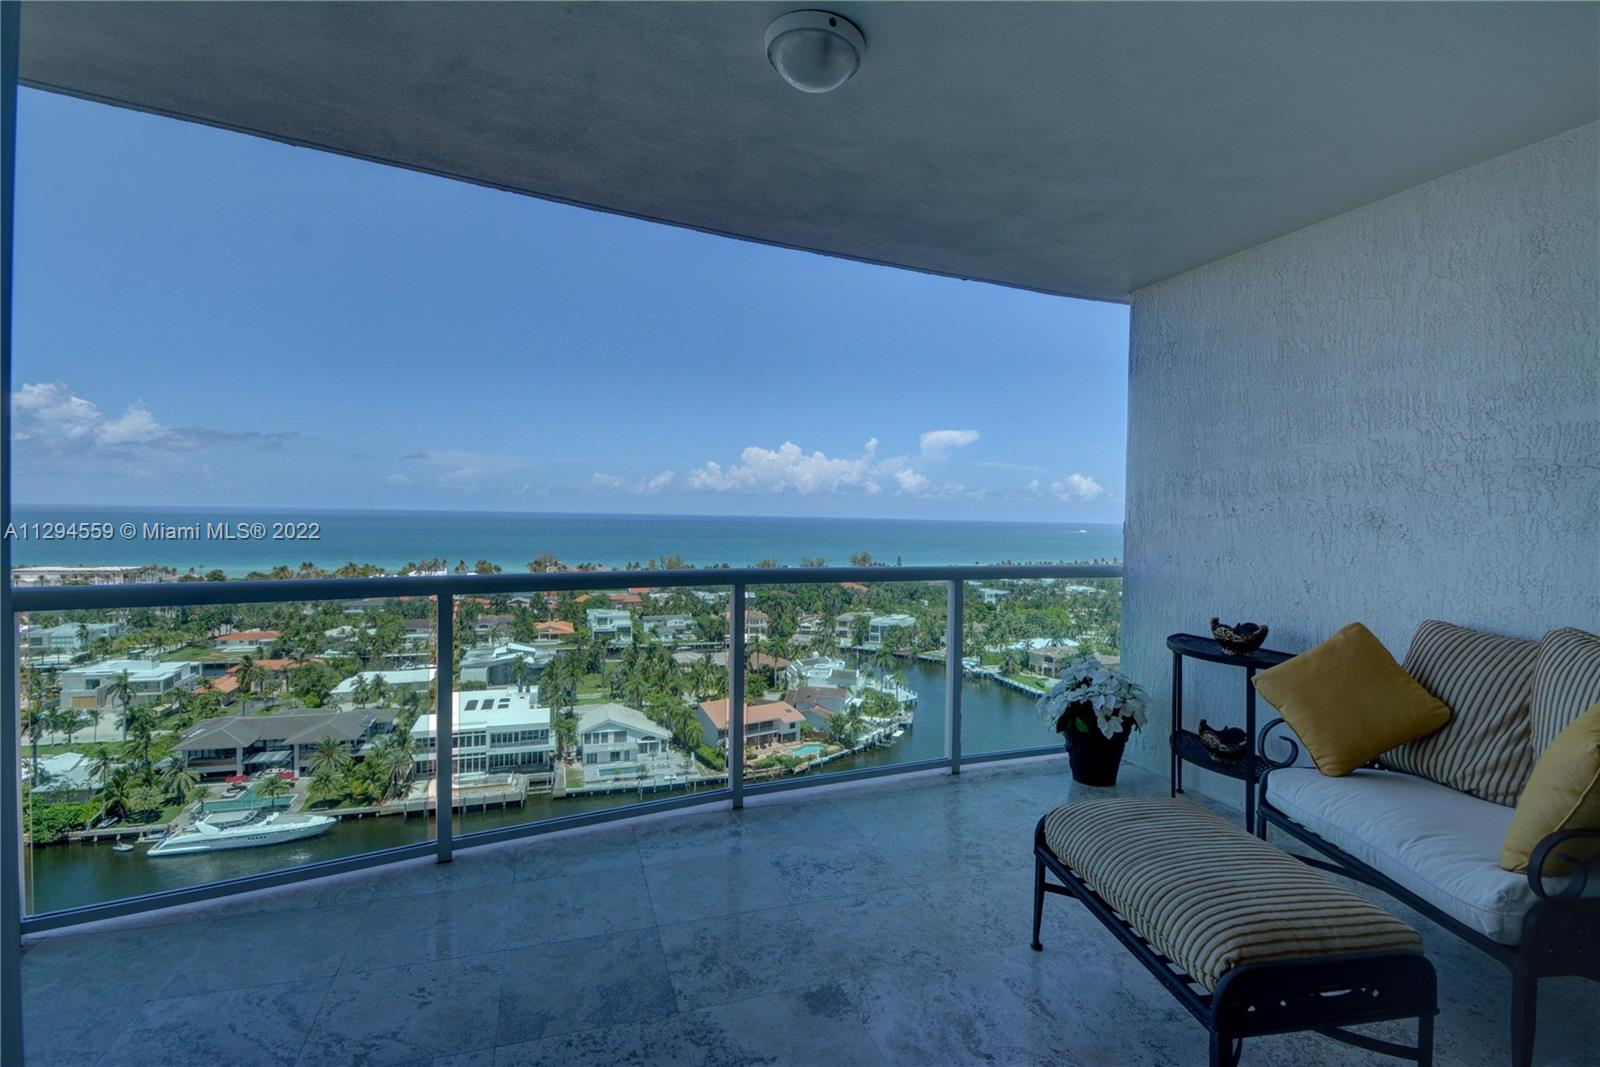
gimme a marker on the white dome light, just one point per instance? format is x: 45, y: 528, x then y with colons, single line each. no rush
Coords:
x: 814, y: 51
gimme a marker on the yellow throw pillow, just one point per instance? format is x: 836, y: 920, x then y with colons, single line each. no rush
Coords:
x: 1563, y: 793
x: 1348, y: 700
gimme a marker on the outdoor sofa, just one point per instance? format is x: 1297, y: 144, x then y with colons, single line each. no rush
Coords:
x: 1428, y: 820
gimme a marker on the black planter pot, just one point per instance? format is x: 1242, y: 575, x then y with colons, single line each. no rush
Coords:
x: 1095, y: 758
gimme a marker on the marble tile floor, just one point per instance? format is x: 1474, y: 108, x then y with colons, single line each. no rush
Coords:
x: 883, y: 922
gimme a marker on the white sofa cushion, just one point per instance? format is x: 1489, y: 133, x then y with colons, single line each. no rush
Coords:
x: 1442, y: 845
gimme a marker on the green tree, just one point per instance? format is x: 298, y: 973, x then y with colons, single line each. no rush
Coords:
x: 120, y: 691
x: 272, y: 787
x: 329, y: 753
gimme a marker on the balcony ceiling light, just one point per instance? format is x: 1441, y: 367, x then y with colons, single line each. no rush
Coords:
x: 815, y: 51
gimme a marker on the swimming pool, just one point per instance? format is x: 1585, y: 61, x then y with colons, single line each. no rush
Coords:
x: 811, y: 749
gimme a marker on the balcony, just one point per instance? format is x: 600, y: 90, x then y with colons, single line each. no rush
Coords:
x: 1359, y: 243
x: 865, y: 923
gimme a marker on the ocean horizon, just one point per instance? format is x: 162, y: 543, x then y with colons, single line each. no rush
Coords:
x: 391, y: 539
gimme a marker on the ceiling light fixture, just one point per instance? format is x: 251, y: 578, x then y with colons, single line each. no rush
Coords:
x: 815, y: 51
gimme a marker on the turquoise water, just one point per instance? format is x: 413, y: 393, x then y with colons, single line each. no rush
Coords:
x: 393, y: 538
x: 812, y: 749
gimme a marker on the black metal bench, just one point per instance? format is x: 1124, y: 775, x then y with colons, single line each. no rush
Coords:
x: 1324, y: 993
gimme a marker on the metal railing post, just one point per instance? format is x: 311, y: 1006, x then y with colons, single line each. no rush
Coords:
x: 10, y: 703
x: 953, y: 674
x: 444, y: 726
x: 736, y: 695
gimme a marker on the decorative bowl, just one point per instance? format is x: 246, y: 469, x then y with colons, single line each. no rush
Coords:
x: 1241, y: 639
x: 1230, y: 742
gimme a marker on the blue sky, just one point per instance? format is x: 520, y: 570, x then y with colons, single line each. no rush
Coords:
x: 209, y: 319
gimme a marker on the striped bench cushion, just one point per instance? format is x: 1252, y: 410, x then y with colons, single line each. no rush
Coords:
x: 1206, y: 894
x: 1566, y: 683
x: 1486, y: 681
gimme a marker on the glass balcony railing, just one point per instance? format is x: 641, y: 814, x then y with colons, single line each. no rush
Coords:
x: 184, y: 740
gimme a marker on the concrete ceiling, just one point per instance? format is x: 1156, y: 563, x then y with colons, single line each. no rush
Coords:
x: 1086, y: 149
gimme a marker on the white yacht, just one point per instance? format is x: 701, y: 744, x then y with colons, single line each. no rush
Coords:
x: 242, y: 830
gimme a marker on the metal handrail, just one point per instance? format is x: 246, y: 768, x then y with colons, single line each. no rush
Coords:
x: 442, y: 589
x: 178, y: 594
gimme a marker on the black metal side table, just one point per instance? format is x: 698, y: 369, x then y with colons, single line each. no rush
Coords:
x: 1186, y: 744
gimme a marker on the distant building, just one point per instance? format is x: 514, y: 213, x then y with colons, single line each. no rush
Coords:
x: 819, y: 703
x: 614, y: 738
x: 417, y: 678
x: 1049, y: 660
x: 672, y: 629
x: 286, y: 740
x: 497, y: 664
x: 554, y: 629
x: 503, y: 729
x: 66, y: 775
x: 764, y: 724
x: 885, y: 629
x: 844, y: 626
x: 610, y: 623
x: 244, y: 640
x: 66, y: 639
x: 85, y: 687
x: 989, y: 594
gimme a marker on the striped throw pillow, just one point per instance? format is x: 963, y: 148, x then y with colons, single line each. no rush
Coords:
x: 1566, y: 682
x: 1486, y: 680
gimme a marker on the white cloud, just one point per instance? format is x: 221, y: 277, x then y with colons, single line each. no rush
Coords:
x: 1076, y: 487
x: 789, y: 467
x: 911, y: 482
x: 937, y: 444
x: 648, y: 485
x: 398, y: 479
x: 49, y: 417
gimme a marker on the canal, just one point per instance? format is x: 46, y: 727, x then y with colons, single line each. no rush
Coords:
x: 61, y: 876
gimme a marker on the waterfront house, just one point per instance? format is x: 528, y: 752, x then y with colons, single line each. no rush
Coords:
x: 65, y: 776
x: 990, y: 594
x: 1049, y: 660
x: 250, y: 641
x: 503, y: 729
x: 890, y: 629
x: 613, y: 624
x: 414, y: 678
x: 819, y: 703
x: 844, y: 626
x: 86, y: 687
x: 285, y: 740
x: 553, y: 629
x: 613, y: 739
x: 765, y: 724
x: 493, y: 665
x: 66, y: 639
x: 672, y: 629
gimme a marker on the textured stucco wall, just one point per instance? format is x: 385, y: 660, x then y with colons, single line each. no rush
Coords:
x: 1390, y: 416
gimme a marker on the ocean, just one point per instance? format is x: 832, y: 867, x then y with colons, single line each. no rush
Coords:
x: 391, y: 539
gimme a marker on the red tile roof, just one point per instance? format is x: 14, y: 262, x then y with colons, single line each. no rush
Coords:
x: 717, y: 712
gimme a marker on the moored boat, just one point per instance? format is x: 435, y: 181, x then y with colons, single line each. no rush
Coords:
x: 215, y: 833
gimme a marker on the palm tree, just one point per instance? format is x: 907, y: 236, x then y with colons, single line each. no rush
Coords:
x: 34, y: 719
x: 121, y: 691
x: 362, y: 690
x: 522, y: 671
x: 115, y: 792
x: 273, y: 787
x: 102, y: 765
x: 181, y: 779
x: 328, y: 753
x: 326, y: 783
x: 566, y: 731
x: 249, y: 675
x: 380, y: 688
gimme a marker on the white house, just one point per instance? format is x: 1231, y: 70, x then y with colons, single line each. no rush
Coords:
x: 616, y: 737
x: 251, y: 641
x: 495, y: 665
x: 611, y: 623
x: 85, y: 687
x: 504, y: 729
x: 67, y: 638
x: 418, y: 678
x: 883, y: 628
x: 669, y: 628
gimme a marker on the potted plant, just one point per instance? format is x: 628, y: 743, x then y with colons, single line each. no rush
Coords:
x: 1095, y: 709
